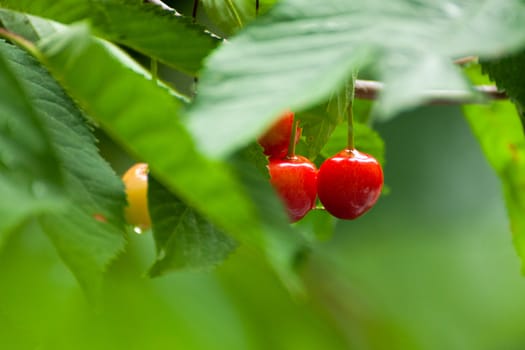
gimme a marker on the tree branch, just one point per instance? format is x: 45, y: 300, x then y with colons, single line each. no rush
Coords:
x: 369, y: 90
x: 466, y: 60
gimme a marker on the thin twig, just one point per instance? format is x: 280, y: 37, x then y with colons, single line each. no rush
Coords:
x: 369, y: 90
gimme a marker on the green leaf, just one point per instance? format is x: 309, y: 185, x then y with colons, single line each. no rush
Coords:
x: 62, y: 10
x: 499, y: 132
x: 362, y: 111
x: 92, y: 181
x: 30, y: 27
x: 144, y: 118
x: 36, y: 28
x: 475, y: 74
x: 232, y: 15
x: 317, y: 225
x: 184, y: 239
x: 91, y: 186
x: 172, y: 40
x: 85, y: 244
x: 319, y: 123
x: 366, y: 140
x: 509, y: 74
x: 298, y: 53
x: 408, y: 86
x: 30, y: 180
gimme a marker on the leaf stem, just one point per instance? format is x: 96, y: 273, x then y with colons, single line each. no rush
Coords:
x: 291, y: 145
x: 350, y: 141
x: 22, y: 42
x: 256, y: 8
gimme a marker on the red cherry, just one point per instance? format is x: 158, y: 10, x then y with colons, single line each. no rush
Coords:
x: 349, y: 183
x: 276, y: 139
x: 295, y: 180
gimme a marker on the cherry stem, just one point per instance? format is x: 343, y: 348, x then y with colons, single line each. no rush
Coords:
x: 291, y: 145
x: 256, y: 8
x: 350, y: 142
x: 194, y: 11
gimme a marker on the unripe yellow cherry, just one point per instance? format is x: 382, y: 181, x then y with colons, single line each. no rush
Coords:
x: 136, y: 183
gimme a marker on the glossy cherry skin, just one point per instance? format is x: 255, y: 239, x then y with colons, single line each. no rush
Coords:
x: 349, y: 183
x: 295, y: 180
x: 136, y: 183
x: 276, y: 139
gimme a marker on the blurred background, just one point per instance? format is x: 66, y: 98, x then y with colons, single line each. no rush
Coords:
x: 432, y: 266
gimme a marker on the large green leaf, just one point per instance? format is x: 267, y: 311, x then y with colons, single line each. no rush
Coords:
x: 87, y: 244
x: 500, y: 134
x: 90, y: 185
x: 63, y: 10
x: 232, y: 15
x: 184, y: 239
x: 146, y: 28
x: 143, y: 118
x: 298, y: 53
x: 30, y: 27
x: 36, y: 28
x: 29, y: 176
x: 509, y: 74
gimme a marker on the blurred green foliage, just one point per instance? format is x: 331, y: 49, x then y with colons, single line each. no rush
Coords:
x: 431, y: 267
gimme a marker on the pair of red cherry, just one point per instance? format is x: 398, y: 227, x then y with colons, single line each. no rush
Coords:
x: 348, y: 184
